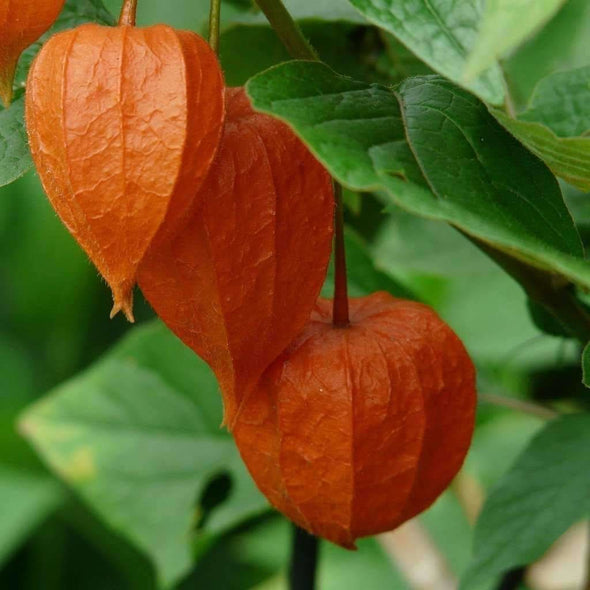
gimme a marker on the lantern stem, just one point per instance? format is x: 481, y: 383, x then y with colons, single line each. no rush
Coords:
x: 340, y: 315
x: 128, y: 13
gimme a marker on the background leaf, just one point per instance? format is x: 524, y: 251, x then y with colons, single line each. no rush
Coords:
x: 561, y: 45
x: 560, y: 102
x: 139, y: 446
x: 505, y: 24
x: 439, y: 32
x: 556, y: 123
x: 543, y: 494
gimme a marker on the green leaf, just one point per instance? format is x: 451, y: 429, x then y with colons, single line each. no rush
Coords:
x: 505, y: 25
x: 479, y: 178
x: 138, y: 444
x: 568, y: 157
x: 536, y: 501
x: 586, y: 365
x: 25, y: 501
x: 15, y: 158
x: 556, y: 123
x: 441, y: 33
x: 561, y: 102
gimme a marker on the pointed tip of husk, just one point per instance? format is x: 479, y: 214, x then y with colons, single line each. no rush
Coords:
x: 123, y: 303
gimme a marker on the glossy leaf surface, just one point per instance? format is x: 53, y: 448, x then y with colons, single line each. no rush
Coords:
x: 436, y: 151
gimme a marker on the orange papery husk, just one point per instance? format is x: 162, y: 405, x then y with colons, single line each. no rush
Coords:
x: 124, y: 124
x: 239, y: 282
x: 353, y: 431
x: 22, y: 22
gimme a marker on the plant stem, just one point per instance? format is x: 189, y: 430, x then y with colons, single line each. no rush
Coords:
x: 287, y: 30
x: 299, y: 48
x: 304, y: 559
x: 128, y: 13
x: 214, y: 24
x: 340, y: 316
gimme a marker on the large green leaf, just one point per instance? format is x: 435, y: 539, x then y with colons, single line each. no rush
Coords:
x: 504, y: 26
x: 138, y: 437
x: 556, y: 123
x: 15, y: 158
x: 441, y: 33
x: 543, y: 494
x: 440, y: 155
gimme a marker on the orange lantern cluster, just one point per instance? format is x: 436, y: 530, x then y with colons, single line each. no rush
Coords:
x: 225, y: 220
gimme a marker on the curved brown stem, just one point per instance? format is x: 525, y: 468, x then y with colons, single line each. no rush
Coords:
x: 128, y: 13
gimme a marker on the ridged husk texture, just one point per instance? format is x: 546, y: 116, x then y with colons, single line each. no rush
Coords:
x: 123, y: 124
x: 353, y: 431
x: 22, y: 22
x: 239, y: 282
